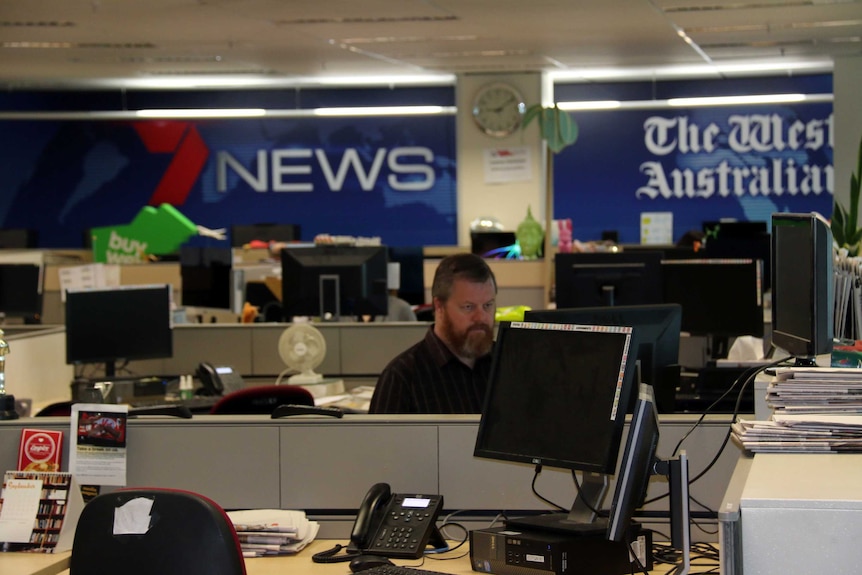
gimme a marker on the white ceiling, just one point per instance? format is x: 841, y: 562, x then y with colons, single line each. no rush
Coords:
x: 57, y: 42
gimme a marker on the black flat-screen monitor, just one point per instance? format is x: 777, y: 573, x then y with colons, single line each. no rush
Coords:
x: 206, y: 279
x: 638, y: 463
x: 721, y: 298
x: 332, y: 282
x: 123, y: 323
x: 21, y: 291
x: 493, y: 244
x: 657, y: 330
x: 802, y: 285
x: 608, y: 278
x: 240, y: 235
x: 739, y: 240
x: 18, y: 238
x: 557, y: 397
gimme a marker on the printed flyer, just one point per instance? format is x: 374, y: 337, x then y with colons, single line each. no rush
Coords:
x: 98, y: 453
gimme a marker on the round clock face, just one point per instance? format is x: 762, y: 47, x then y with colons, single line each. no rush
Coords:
x: 498, y: 109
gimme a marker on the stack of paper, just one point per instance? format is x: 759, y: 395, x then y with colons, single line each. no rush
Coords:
x: 815, y: 390
x: 272, y: 531
x: 803, y: 433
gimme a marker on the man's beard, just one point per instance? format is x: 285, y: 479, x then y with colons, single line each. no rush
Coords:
x: 472, y: 344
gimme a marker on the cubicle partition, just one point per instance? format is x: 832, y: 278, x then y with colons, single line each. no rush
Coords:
x: 324, y: 465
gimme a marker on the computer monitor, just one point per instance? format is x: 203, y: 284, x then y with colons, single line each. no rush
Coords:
x: 122, y: 323
x: 493, y: 244
x: 242, y: 234
x: 739, y: 240
x: 334, y: 281
x: 802, y: 285
x: 657, y: 329
x: 719, y: 298
x: 638, y: 463
x: 18, y: 238
x: 608, y: 278
x: 21, y: 291
x: 557, y: 397
x: 206, y: 277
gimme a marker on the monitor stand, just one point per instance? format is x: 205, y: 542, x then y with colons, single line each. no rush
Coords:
x: 581, y: 520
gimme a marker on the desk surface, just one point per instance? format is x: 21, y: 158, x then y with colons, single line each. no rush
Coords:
x: 34, y: 563
x: 456, y: 562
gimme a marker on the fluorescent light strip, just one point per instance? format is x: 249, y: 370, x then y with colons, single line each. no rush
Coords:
x: 693, y: 102
x: 590, y: 105
x: 694, y: 71
x: 385, y: 111
x: 736, y: 100
x: 203, y: 113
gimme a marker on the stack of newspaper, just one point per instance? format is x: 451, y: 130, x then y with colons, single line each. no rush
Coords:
x: 264, y: 532
x: 816, y: 410
x: 815, y: 390
x: 809, y: 433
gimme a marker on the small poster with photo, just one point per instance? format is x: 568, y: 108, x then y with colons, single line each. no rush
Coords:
x: 98, y: 456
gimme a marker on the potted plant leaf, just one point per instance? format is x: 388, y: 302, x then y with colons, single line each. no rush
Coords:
x: 845, y: 222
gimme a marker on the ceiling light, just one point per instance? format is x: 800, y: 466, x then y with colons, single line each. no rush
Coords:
x: 590, y: 105
x: 386, y: 111
x: 693, y: 102
x: 203, y: 113
x: 737, y: 100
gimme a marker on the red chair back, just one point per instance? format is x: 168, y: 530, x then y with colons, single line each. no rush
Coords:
x: 262, y: 399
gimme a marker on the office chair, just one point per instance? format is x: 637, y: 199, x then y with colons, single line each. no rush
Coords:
x: 57, y: 409
x: 262, y: 399
x: 183, y: 533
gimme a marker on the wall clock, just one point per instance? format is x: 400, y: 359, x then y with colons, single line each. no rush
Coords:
x: 498, y: 109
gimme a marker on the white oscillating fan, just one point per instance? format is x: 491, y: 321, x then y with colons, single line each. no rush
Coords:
x: 302, y: 348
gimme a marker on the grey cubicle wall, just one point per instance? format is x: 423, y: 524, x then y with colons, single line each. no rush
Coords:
x: 352, y: 349
x: 324, y: 465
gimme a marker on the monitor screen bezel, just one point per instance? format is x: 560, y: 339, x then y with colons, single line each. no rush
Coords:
x: 84, y: 317
x: 738, y: 319
x: 817, y: 265
x: 577, y: 282
x: 302, y: 266
x: 637, y: 464
x: 658, y: 331
x: 23, y: 300
x: 206, y: 278
x: 488, y: 447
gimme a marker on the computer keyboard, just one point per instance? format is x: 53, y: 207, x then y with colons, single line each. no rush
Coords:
x: 397, y: 570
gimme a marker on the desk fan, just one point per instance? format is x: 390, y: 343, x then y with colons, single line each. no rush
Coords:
x: 302, y: 348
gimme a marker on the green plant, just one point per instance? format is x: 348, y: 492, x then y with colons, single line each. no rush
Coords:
x: 845, y: 229
x: 556, y: 126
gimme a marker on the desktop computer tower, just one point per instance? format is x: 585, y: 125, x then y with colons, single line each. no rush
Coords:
x: 505, y: 551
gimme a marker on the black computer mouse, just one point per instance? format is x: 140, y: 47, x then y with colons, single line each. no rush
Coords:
x: 364, y: 562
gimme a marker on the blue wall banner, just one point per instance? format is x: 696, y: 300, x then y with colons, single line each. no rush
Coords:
x: 700, y: 164
x: 392, y: 177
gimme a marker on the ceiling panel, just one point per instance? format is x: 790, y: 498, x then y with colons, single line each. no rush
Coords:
x: 44, y: 42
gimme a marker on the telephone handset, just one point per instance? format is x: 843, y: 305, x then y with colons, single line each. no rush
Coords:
x: 392, y: 525
x: 218, y: 380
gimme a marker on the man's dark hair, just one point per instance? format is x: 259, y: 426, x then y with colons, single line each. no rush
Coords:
x: 464, y: 266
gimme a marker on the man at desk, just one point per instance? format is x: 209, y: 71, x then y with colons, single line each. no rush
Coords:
x: 446, y: 372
